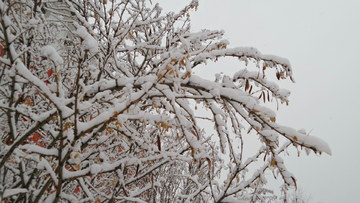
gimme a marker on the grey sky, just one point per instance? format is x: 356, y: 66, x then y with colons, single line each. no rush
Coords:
x: 321, y: 40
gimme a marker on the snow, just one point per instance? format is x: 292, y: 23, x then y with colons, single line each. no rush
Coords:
x: 305, y: 140
x: 60, y: 104
x: 231, y: 199
x: 45, y: 165
x: 245, y: 53
x: 71, y: 174
x: 11, y: 192
x: 89, y: 42
x: 39, y: 150
x: 288, y: 177
x: 69, y: 197
x: 270, y: 135
x: 50, y: 198
x: 69, y: 134
x: 75, y: 157
x: 142, y: 119
x: 283, y: 94
x: 33, y: 21
x: 85, y: 188
x: 95, y: 169
x: 50, y: 52
x: 5, y: 61
x: 122, y: 118
x: 7, y: 20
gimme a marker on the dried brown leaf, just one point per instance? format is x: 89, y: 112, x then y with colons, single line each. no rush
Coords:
x: 78, y: 167
x: 247, y: 85
x: 264, y: 97
x: 159, y: 142
x: 273, y: 162
x: 294, y: 182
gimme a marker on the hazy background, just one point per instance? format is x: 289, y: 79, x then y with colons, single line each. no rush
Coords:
x: 321, y: 40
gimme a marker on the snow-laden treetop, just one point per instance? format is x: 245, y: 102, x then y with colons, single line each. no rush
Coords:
x: 99, y: 103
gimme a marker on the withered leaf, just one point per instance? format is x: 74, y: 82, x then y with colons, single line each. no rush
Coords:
x: 78, y: 167
x: 294, y: 182
x: 264, y: 97
x: 260, y: 95
x: 247, y: 85
x: 278, y: 75
x: 273, y: 162
x: 159, y: 142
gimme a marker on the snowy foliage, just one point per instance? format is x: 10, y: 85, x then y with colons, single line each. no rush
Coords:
x: 98, y: 105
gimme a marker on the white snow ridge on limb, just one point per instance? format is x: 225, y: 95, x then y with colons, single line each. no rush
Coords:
x: 11, y: 192
x: 88, y: 41
x: 50, y: 52
x: 309, y: 141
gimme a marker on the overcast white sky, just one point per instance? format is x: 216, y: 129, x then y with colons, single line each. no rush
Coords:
x: 321, y: 40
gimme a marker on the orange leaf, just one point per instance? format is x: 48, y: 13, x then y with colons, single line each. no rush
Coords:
x: 273, y: 162
x: 182, y: 62
x: 77, y: 190
x: 192, y: 152
x: 27, y: 102
x: 78, y: 166
x: 49, y: 72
